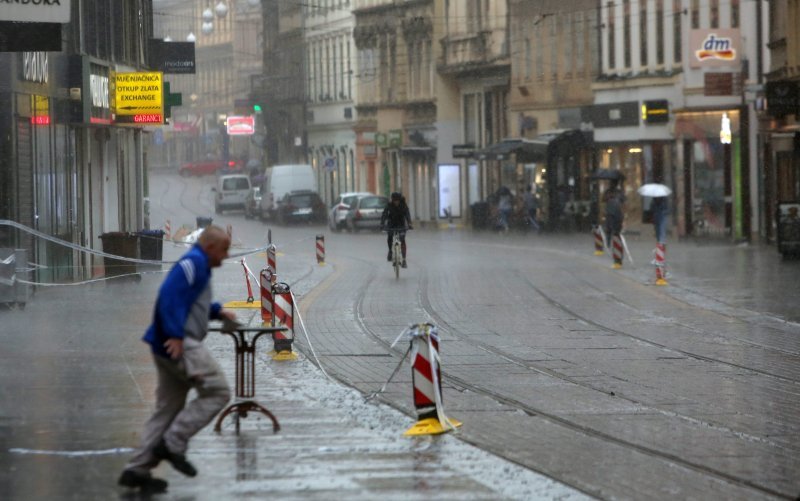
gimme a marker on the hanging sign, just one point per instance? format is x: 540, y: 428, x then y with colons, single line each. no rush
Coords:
x: 139, y: 98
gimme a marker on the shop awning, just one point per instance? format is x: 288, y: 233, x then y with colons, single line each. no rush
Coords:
x: 535, y: 150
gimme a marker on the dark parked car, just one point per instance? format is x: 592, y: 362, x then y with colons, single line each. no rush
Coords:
x: 365, y: 213
x: 301, y: 207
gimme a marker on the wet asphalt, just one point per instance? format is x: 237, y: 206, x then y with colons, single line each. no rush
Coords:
x: 571, y: 379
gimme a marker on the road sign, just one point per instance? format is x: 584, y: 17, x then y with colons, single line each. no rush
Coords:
x: 241, y: 126
x: 139, y: 98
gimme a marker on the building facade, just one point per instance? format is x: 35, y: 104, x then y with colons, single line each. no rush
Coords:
x: 66, y: 169
x: 332, y: 94
x: 780, y: 122
x: 228, y: 57
x: 673, y: 77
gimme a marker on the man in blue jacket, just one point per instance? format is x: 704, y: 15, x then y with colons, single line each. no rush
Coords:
x: 180, y: 323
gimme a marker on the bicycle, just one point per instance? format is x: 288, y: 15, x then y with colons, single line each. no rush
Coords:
x: 397, y: 251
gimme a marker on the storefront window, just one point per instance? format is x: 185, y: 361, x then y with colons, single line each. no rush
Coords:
x: 708, y: 187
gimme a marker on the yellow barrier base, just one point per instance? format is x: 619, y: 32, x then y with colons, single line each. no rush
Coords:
x: 617, y: 266
x: 661, y: 281
x: 242, y: 304
x: 598, y: 253
x: 430, y: 426
x: 283, y: 356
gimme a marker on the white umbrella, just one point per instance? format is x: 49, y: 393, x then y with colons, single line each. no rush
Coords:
x: 654, y: 190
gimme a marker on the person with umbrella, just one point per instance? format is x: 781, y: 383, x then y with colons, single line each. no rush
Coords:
x: 659, y: 207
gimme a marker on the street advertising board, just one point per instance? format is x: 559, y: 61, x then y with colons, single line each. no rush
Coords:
x: 241, y: 125
x: 172, y: 57
x: 449, y: 190
x: 138, y: 98
x: 715, y: 47
x: 40, y: 11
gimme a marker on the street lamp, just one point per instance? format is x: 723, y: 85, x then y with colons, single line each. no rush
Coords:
x: 221, y: 9
x: 190, y: 37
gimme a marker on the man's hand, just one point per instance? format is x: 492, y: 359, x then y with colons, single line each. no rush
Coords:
x: 227, y: 315
x: 174, y: 348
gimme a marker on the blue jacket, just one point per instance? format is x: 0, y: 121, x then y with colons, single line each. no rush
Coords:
x: 183, y: 285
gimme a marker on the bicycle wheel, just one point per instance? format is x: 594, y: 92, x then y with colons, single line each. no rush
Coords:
x: 396, y: 259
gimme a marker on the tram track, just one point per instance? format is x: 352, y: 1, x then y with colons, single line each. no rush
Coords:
x: 532, y: 410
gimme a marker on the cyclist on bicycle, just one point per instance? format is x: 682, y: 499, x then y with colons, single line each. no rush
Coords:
x: 396, y: 215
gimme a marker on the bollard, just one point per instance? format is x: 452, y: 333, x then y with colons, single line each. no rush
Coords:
x: 598, y: 241
x: 265, y: 283
x: 167, y: 230
x: 272, y: 263
x: 321, y: 249
x: 283, y: 316
x: 426, y: 377
x: 661, y: 253
x: 618, y: 252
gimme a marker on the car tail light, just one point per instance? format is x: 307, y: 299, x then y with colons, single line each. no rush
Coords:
x: 231, y: 163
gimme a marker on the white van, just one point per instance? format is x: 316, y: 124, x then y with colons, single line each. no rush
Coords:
x: 282, y: 179
x: 231, y: 192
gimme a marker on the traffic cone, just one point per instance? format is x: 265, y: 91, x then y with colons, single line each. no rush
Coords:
x: 426, y: 377
x: 283, y: 316
x: 661, y: 253
x: 598, y: 241
x: 265, y: 283
x: 618, y: 252
x: 320, y: 249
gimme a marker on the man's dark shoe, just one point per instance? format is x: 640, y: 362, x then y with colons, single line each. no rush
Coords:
x: 178, y: 461
x: 404, y: 265
x: 144, y: 482
x: 389, y: 256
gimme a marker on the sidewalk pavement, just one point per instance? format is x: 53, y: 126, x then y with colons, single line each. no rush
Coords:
x: 76, y: 386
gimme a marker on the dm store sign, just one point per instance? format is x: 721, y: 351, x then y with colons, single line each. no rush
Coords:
x: 714, y: 48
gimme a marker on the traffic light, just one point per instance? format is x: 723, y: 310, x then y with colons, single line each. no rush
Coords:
x: 257, y: 108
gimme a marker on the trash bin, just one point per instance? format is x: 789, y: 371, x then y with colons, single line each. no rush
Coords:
x: 204, y: 222
x: 122, y: 244
x: 151, y: 247
x: 788, y: 219
x: 480, y: 215
x: 151, y: 244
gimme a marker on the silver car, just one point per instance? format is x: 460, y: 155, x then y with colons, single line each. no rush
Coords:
x: 338, y: 212
x: 365, y: 213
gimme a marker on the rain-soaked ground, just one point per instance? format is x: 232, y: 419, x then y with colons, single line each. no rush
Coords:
x: 76, y: 386
x: 596, y: 378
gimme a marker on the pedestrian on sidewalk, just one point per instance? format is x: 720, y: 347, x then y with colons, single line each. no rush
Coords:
x: 614, y: 199
x: 180, y: 323
x: 504, y: 207
x: 531, y: 207
x: 659, y: 208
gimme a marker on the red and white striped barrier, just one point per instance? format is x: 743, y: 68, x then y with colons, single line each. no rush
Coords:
x: 427, y: 377
x: 272, y: 262
x: 599, y: 245
x: 661, y: 254
x: 320, y: 249
x: 265, y: 283
x: 618, y: 250
x: 167, y: 230
x: 283, y: 316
